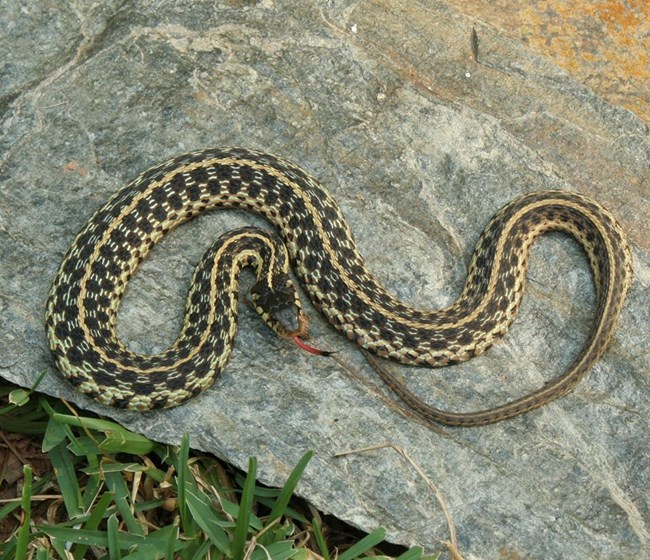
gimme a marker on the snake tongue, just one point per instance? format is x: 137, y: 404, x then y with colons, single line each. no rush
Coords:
x: 311, y: 349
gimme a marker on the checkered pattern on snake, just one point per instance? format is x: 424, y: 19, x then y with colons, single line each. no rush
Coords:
x: 315, y: 239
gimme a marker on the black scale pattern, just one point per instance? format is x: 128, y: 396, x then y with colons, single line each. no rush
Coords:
x: 320, y: 245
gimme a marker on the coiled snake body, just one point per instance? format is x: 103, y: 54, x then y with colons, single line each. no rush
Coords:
x: 317, y: 241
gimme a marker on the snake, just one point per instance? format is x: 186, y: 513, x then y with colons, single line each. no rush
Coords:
x: 312, y: 238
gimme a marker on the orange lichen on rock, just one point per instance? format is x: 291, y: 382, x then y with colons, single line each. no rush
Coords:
x: 603, y: 44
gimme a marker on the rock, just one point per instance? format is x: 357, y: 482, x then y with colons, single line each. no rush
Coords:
x: 420, y: 144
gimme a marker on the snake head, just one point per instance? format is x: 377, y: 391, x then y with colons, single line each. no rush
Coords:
x: 278, y: 304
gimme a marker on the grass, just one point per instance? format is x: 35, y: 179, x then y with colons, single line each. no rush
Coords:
x: 73, y: 486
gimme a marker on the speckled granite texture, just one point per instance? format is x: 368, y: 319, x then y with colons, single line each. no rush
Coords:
x: 420, y: 143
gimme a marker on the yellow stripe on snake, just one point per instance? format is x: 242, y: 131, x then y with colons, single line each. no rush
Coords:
x: 316, y: 241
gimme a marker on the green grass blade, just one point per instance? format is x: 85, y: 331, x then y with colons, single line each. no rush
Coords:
x: 8, y: 549
x: 183, y: 474
x: 157, y: 546
x: 232, y: 510
x: 288, y: 510
x: 60, y: 547
x: 116, y: 484
x: 287, y: 491
x: 118, y: 439
x: 66, y: 477
x: 276, y: 533
x: 414, y: 553
x: 101, y: 538
x: 93, y: 521
x: 172, y: 541
x: 94, y: 484
x: 83, y: 446
x: 245, y: 505
x: 23, y: 426
x: 320, y: 540
x: 55, y: 434
x: 97, y: 514
x: 364, y: 545
x: 26, y: 505
x: 113, y: 538
x: 282, y: 550
x: 78, y: 536
x: 200, y: 552
x: 20, y: 397
x: 115, y: 468
x: 205, y: 516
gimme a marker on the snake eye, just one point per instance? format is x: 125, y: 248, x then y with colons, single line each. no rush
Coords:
x: 277, y: 304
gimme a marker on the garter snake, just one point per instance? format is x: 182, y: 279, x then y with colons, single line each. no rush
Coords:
x: 314, y: 239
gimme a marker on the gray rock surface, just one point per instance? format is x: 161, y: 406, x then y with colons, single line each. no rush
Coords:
x: 421, y: 144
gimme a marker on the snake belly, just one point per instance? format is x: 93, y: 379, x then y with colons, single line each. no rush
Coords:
x: 87, y: 290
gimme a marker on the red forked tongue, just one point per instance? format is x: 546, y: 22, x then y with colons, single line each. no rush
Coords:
x: 307, y: 348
